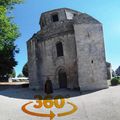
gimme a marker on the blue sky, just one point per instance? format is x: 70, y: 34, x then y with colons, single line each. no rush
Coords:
x: 106, y: 11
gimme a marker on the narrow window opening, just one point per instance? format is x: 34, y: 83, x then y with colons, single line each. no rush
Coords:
x: 88, y: 35
x: 55, y: 18
x: 92, y: 61
x: 42, y: 24
x: 59, y: 48
x: 74, y: 14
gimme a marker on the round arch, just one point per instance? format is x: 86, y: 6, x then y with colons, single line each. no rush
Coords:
x: 61, y: 76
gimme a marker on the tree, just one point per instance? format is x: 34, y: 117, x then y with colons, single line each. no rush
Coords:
x: 9, y: 4
x: 13, y: 74
x: 7, y: 61
x: 118, y: 71
x: 8, y: 34
x: 20, y: 75
x: 25, y: 70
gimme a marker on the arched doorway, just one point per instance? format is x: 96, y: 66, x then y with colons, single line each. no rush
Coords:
x: 62, y: 78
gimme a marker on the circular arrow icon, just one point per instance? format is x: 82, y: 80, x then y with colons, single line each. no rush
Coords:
x: 51, y: 115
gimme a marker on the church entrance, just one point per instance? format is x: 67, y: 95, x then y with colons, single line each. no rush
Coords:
x: 62, y: 77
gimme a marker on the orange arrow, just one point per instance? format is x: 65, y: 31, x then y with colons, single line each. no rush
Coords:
x: 51, y: 115
x: 69, y: 112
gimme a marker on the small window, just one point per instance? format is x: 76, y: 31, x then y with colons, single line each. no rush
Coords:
x: 59, y: 48
x: 92, y: 61
x: 42, y: 23
x: 55, y: 18
x: 74, y: 14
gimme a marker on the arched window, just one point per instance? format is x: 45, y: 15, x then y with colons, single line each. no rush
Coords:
x: 59, y: 48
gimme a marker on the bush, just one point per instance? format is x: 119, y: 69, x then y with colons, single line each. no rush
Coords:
x: 114, y: 81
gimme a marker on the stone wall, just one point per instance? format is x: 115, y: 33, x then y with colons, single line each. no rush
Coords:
x: 83, y: 46
x: 92, y: 71
x: 49, y: 64
x: 32, y: 64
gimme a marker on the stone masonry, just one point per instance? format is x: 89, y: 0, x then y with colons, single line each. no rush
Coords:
x: 69, y: 50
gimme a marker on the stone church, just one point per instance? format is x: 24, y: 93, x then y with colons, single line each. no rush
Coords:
x: 68, y: 50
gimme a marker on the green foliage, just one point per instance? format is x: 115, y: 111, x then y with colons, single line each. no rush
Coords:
x: 25, y: 70
x: 115, y: 81
x: 8, y: 34
x: 8, y: 30
x: 20, y: 75
x: 13, y: 74
x: 9, y: 4
x: 118, y: 77
x: 7, y: 61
